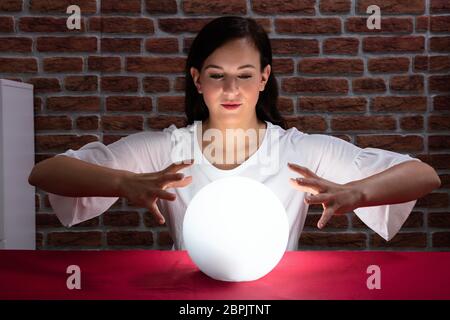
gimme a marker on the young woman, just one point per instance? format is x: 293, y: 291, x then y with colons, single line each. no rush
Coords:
x: 231, y: 95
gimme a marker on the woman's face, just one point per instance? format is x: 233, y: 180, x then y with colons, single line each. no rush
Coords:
x: 231, y: 74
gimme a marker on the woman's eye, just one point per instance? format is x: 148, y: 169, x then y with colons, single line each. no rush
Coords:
x: 218, y: 76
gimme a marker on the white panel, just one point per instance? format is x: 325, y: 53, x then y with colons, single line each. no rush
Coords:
x: 17, y: 159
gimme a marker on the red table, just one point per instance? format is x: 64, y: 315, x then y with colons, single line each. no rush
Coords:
x: 151, y: 274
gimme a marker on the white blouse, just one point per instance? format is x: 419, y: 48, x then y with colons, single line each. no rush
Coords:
x: 328, y: 157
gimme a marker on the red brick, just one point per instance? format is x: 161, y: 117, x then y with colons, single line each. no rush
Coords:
x: 362, y: 123
x: 439, y: 83
x: 391, y: 25
x: 114, y: 6
x: 121, y: 25
x: 433, y: 200
x: 399, y: 103
x: 440, y: 44
x: 178, y: 25
x: 18, y: 65
x: 401, y: 240
x: 121, y: 45
x: 331, y: 66
x: 282, y: 66
x: 158, y: 6
x: 155, y: 64
x: 121, y: 219
x: 15, y: 44
x: 156, y: 84
x: 307, y: 123
x: 445, y: 180
x: 11, y: 5
x: 339, y: 221
x: 441, y: 239
x: 87, y: 123
x: 394, y: 143
x: 129, y: 238
x: 122, y: 123
x: 439, y: 63
x: 437, y: 161
x: 341, y: 46
x: 6, y: 24
x: 422, y: 23
x: 52, y: 123
x: 438, y: 142
x: 368, y: 85
x: 119, y: 84
x: 37, y: 105
x: 315, y: 85
x: 214, y: 7
x: 171, y: 104
x: 332, y: 239
x: 129, y: 104
x: 69, y: 239
x: 308, y: 25
x: 74, y: 103
x: 393, y: 44
x: 283, y: 7
x: 164, y: 238
x: 162, y: 45
x: 48, y: 6
x: 81, y: 83
x: 332, y: 104
x: 411, y: 123
x: 441, y: 103
x: 47, y: 24
x: 295, y: 46
x: 335, y: 6
x: 63, y: 64
x: 104, y: 64
x: 440, y: 24
x: 388, y: 65
x: 45, y: 85
x: 67, y: 44
x: 439, y: 220
x: 285, y: 105
x: 180, y: 84
x: 412, y: 83
x: 439, y: 6
x: 162, y: 122
x: 61, y: 143
x: 392, y: 6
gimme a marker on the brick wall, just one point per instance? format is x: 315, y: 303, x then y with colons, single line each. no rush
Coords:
x: 123, y: 73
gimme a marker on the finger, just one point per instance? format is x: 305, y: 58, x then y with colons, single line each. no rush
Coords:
x: 180, y: 184
x: 165, y: 195
x: 326, y: 216
x: 168, y: 178
x: 312, y: 183
x: 156, y: 213
x: 302, y: 188
x: 302, y: 170
x: 318, y: 199
x: 174, y: 167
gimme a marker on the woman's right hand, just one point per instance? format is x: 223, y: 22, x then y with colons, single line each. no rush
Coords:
x: 143, y: 189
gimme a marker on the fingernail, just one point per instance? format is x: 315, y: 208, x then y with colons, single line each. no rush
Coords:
x: 300, y: 180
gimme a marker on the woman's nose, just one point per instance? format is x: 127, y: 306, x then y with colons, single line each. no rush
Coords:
x: 230, y: 85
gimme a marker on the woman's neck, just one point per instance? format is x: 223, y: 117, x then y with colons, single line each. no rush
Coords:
x: 231, y: 144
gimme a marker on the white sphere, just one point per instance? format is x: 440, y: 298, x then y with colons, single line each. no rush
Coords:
x: 235, y: 229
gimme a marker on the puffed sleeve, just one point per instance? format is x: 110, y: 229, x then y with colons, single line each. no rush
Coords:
x: 131, y: 153
x: 344, y: 162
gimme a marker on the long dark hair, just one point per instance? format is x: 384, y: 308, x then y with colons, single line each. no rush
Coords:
x: 215, y: 34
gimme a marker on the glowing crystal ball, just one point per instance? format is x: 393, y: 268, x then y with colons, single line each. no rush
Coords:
x: 235, y: 229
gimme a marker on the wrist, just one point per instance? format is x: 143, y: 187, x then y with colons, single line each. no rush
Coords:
x: 122, y: 181
x: 360, y: 195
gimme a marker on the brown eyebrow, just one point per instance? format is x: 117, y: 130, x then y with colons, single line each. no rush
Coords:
x: 241, y: 67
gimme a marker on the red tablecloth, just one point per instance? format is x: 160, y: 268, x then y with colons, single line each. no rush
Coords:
x: 141, y: 274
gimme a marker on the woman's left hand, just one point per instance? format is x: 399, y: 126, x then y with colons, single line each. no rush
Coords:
x: 335, y: 198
